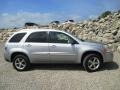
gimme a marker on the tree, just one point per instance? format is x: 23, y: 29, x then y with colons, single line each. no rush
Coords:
x: 55, y: 22
x: 118, y: 11
x: 105, y: 14
x: 30, y: 24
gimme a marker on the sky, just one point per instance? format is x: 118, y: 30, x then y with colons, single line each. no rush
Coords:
x: 14, y: 13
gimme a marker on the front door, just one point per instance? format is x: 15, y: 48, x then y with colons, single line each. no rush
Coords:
x: 61, y: 49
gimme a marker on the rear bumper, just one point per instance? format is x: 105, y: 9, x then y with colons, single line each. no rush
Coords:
x: 7, y: 60
x: 108, y: 57
x: 7, y: 57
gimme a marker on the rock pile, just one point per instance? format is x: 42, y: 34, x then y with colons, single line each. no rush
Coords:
x: 4, y: 34
x: 105, y: 30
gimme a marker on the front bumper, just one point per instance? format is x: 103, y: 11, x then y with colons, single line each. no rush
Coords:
x: 108, y: 57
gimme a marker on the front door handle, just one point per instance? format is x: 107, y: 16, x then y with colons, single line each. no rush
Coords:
x: 53, y: 46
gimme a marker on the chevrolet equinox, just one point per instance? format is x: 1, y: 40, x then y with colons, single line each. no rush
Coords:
x: 29, y: 46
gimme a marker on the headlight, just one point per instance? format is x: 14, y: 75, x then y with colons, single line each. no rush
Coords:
x: 107, y: 48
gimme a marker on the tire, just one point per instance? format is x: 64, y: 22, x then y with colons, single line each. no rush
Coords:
x: 92, y: 62
x: 21, y: 62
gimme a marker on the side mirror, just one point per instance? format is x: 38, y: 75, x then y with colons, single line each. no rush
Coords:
x: 73, y: 42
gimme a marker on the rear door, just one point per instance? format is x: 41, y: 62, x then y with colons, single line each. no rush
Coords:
x: 37, y: 47
x: 61, y: 49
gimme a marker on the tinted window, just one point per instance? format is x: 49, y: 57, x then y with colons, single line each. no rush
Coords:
x: 58, y: 37
x: 37, y: 37
x: 17, y: 37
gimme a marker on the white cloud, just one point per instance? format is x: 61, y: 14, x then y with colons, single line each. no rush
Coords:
x: 93, y: 16
x: 4, y: 14
x: 75, y: 17
x: 18, y: 19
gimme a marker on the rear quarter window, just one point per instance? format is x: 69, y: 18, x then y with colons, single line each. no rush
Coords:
x: 17, y: 37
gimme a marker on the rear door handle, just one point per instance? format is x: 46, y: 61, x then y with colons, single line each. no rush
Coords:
x: 28, y: 45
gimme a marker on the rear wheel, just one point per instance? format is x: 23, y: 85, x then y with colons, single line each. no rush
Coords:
x: 92, y: 62
x: 21, y: 62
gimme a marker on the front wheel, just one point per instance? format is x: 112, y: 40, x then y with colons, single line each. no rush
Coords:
x: 92, y: 62
x: 21, y: 62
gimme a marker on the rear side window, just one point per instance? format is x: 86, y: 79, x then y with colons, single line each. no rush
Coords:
x: 17, y: 37
x: 39, y: 37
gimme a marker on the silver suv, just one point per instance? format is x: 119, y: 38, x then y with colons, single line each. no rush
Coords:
x: 54, y: 46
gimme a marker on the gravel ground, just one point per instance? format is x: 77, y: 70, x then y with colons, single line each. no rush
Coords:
x: 59, y: 77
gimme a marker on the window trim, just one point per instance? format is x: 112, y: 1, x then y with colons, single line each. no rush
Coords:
x: 37, y: 42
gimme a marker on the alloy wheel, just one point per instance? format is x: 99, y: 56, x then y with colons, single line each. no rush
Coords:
x: 20, y: 63
x: 93, y: 63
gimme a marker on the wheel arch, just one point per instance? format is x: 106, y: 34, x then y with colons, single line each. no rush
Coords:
x: 18, y: 53
x: 91, y: 52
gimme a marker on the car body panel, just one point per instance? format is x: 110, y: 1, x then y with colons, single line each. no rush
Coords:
x: 63, y: 53
x: 38, y: 52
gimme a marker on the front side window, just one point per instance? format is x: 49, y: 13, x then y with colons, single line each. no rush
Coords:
x: 17, y: 37
x: 58, y: 37
x: 39, y: 37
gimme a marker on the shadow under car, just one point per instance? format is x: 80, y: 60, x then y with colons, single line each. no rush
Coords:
x: 106, y: 66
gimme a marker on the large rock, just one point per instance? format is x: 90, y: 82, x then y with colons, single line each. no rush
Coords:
x: 1, y: 36
x: 118, y: 49
x: 114, y: 32
x: 5, y: 34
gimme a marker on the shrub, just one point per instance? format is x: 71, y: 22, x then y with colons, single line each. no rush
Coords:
x: 118, y: 11
x: 105, y: 14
